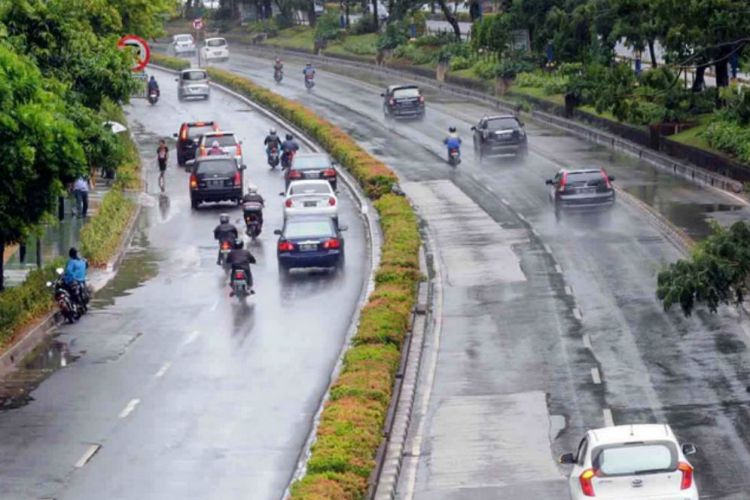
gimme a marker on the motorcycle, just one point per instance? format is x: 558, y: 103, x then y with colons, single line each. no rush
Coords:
x: 278, y: 75
x: 454, y: 156
x: 309, y: 82
x: 69, y: 307
x: 224, y: 248
x: 286, y: 159
x: 273, y: 157
x: 153, y: 96
x: 253, y: 213
x: 239, y: 283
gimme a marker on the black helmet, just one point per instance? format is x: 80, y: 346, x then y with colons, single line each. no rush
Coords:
x: 73, y: 253
x: 224, y: 219
x: 289, y: 137
x: 238, y: 243
x: 452, y: 130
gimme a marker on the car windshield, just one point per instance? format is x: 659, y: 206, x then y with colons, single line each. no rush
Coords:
x: 183, y: 38
x: 218, y: 42
x: 502, y: 124
x: 585, y: 178
x: 224, y: 141
x: 194, y: 132
x: 223, y: 167
x: 405, y: 93
x: 194, y: 75
x: 311, y: 162
x: 317, y: 188
x: 632, y: 459
x: 308, y: 228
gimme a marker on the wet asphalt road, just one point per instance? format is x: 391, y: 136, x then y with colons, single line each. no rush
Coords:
x: 547, y: 328
x: 189, y: 393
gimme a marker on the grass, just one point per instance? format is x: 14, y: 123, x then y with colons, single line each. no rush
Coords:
x: 538, y: 93
x: 355, y: 45
x: 693, y: 136
x: 298, y: 37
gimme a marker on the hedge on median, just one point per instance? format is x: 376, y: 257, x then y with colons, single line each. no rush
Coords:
x: 170, y: 62
x: 351, y: 425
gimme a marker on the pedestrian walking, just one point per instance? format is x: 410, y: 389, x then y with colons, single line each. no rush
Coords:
x: 162, y: 153
x: 81, y: 192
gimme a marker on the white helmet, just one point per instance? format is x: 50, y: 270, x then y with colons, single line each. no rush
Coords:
x: 215, y: 144
x: 272, y: 131
x: 252, y: 188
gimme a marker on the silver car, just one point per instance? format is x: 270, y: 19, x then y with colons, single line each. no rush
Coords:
x: 192, y: 83
x: 183, y: 45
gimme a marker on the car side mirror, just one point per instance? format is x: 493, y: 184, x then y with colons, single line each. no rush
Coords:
x: 281, y: 193
x: 382, y: 94
x: 689, y: 449
x: 243, y: 167
x: 473, y: 127
x: 343, y: 228
x: 521, y: 123
x: 567, y: 458
x: 611, y: 177
x: 175, y: 135
x: 177, y: 79
x: 277, y: 232
x: 549, y: 182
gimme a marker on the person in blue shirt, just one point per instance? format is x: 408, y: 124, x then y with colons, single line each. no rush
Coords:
x: 453, y: 141
x: 153, y: 85
x: 309, y: 72
x: 74, y: 276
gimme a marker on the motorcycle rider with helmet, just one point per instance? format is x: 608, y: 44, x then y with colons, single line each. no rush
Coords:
x: 153, y: 85
x: 278, y: 68
x: 272, y: 140
x: 253, y: 196
x: 453, y: 141
x: 308, y: 71
x: 74, y: 277
x: 225, y: 231
x: 289, y: 147
x: 239, y: 258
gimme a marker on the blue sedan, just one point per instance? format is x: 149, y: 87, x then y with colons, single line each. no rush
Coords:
x: 310, y: 241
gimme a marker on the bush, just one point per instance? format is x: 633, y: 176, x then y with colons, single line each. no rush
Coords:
x: 101, y: 236
x: 393, y: 36
x: 365, y: 24
x: 459, y: 63
x: 730, y: 137
x: 170, y: 62
x: 328, y: 27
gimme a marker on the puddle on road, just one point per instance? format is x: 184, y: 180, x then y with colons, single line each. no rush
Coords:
x: 50, y: 356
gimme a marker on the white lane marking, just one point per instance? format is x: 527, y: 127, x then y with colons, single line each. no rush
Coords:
x: 596, y: 376
x: 522, y: 217
x: 90, y: 452
x: 587, y: 342
x: 577, y: 314
x: 129, y: 408
x: 504, y: 201
x: 215, y: 305
x: 491, y: 189
x: 191, y: 338
x: 568, y: 290
x: 558, y: 269
x: 163, y: 369
x: 535, y: 232
x: 609, y: 420
x: 547, y: 249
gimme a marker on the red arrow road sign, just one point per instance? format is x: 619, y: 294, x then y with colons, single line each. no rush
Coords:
x: 142, y: 50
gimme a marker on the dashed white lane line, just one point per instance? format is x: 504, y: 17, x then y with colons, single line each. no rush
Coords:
x: 522, y: 217
x: 577, y: 314
x: 504, y: 201
x: 547, y: 249
x: 191, y: 338
x: 87, y: 455
x: 163, y: 369
x: 587, y: 342
x: 597, y: 378
x: 215, y: 305
x: 568, y: 290
x: 609, y: 420
x: 558, y: 269
x: 535, y: 232
x: 129, y: 408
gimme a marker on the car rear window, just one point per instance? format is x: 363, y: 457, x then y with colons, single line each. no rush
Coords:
x: 194, y: 132
x: 223, y: 140
x: 633, y: 459
x: 194, y: 75
x: 217, y: 43
x: 585, y: 178
x: 183, y: 38
x: 311, y: 228
x: 405, y: 93
x: 311, y: 162
x: 216, y: 167
x: 317, y: 188
x: 502, y: 123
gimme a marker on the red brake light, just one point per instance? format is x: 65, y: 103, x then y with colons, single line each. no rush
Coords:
x: 687, y: 475
x: 225, y: 245
x: 332, y: 201
x: 606, y: 179
x: 238, y: 151
x: 329, y: 172
x: 239, y: 274
x: 193, y: 182
x: 286, y: 246
x: 586, y: 485
x: 421, y: 98
x: 563, y: 182
x: 237, y: 179
x: 183, y: 133
x: 295, y: 174
x: 288, y: 203
x: 332, y: 244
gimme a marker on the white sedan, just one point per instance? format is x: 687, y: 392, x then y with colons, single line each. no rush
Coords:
x: 183, y: 45
x: 215, y: 49
x: 631, y: 462
x: 314, y: 197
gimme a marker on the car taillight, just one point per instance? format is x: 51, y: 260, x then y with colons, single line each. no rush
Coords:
x: 183, y: 134
x: 606, y: 179
x: 421, y: 99
x: 202, y: 151
x: 238, y: 150
x: 286, y: 246
x: 295, y: 174
x: 237, y: 179
x: 193, y: 182
x: 586, y: 485
x: 332, y: 244
x: 392, y: 102
x: 288, y: 203
x: 329, y: 172
x: 563, y: 182
x: 687, y: 475
x: 332, y: 201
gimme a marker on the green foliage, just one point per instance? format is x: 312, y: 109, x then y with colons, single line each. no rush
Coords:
x: 364, y: 25
x: 730, y: 137
x: 327, y: 27
x: 393, y: 36
x: 716, y: 273
x: 102, y: 234
x: 459, y: 63
x: 492, y: 33
x: 362, y: 45
x: 170, y: 62
x: 551, y: 83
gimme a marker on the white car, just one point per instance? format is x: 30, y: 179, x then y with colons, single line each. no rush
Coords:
x: 215, y: 49
x: 628, y: 462
x: 183, y: 45
x: 314, y: 197
x: 228, y: 143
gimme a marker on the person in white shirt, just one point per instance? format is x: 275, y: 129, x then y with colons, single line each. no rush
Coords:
x: 81, y: 193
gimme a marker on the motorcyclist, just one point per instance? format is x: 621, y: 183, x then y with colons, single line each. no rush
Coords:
x: 253, y: 196
x: 278, y: 66
x: 271, y: 140
x: 308, y: 71
x: 239, y: 258
x: 74, y: 276
x: 225, y: 231
x: 453, y: 141
x: 289, y: 146
x: 152, y: 85
x: 215, y: 149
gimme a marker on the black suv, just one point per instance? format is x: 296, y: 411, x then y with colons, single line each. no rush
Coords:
x: 188, y: 136
x: 501, y: 134
x: 581, y: 188
x: 403, y: 101
x: 215, y: 178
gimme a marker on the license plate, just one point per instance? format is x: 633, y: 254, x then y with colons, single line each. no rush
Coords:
x: 587, y: 190
x: 312, y: 174
x: 310, y: 204
x: 215, y: 183
x: 308, y: 247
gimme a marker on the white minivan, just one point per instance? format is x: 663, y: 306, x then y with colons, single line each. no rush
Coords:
x: 215, y: 49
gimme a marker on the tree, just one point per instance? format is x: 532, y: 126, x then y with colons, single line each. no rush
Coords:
x: 637, y: 22
x: 144, y: 17
x: 716, y: 273
x: 451, y: 18
x: 39, y: 146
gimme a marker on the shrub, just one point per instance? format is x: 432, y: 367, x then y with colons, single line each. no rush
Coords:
x: 365, y: 24
x: 101, y: 235
x: 393, y: 36
x: 170, y: 62
x: 459, y: 63
x: 328, y: 27
x: 730, y: 137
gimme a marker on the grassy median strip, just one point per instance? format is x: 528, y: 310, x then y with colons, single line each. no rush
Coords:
x: 351, y: 425
x: 101, y: 235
